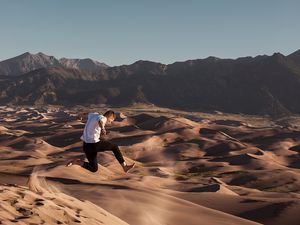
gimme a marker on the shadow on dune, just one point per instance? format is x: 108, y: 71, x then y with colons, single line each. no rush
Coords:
x: 128, y: 128
x: 223, y: 148
x: 65, y: 139
x: 203, y: 168
x: 295, y: 148
x: 242, y: 179
x: 73, y: 181
x: 135, y: 139
x: 22, y: 143
x: 242, y: 159
x: 295, y: 164
x: 140, y: 118
x: 78, y: 126
x: 207, y: 131
x: 36, y: 129
x: 263, y: 214
x: 251, y: 200
x: 65, y: 152
x: 276, y: 136
x: 21, y: 157
x: 130, y: 140
x: 233, y: 123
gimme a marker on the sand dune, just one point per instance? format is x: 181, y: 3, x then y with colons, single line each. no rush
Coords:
x: 189, y: 170
x: 22, y: 206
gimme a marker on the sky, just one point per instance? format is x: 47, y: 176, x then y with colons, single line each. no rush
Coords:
x: 119, y: 32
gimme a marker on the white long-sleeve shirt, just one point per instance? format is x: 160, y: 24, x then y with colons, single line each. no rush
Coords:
x: 92, y: 130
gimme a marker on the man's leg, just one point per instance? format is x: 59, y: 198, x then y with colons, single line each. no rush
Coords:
x: 91, y: 155
x: 102, y: 146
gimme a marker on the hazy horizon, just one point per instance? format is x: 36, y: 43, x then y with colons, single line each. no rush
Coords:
x: 119, y: 33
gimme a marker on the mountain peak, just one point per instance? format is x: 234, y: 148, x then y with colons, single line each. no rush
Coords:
x: 86, y: 64
x: 142, y: 62
x: 295, y: 56
x: 25, y: 54
x: 295, y: 53
x: 277, y: 54
x: 26, y: 62
x: 29, y: 54
x: 278, y: 57
x: 41, y: 54
x: 212, y: 58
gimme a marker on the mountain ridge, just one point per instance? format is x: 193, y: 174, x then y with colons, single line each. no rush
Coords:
x: 252, y: 85
x: 27, y: 62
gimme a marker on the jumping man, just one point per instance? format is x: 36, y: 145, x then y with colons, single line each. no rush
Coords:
x: 94, y: 127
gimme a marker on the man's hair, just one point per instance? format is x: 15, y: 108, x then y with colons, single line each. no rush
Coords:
x: 110, y: 113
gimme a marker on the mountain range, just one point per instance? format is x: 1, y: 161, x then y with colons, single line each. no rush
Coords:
x: 252, y: 85
x: 28, y: 62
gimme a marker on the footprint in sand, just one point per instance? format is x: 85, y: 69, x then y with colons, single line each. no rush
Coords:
x: 39, y: 202
x: 21, y: 194
x: 13, y: 202
x: 103, y: 213
x: 25, y: 212
x: 78, y: 211
x: 22, y: 217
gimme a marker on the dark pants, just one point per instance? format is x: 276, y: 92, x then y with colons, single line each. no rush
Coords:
x: 91, y: 150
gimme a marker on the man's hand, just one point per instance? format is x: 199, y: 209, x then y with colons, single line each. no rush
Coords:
x: 103, y: 132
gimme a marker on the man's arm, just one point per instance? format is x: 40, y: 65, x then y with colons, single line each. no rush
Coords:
x: 102, y: 126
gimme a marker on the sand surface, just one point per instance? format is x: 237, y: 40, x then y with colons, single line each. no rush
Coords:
x: 190, y: 169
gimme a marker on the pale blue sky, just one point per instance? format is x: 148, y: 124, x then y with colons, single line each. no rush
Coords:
x: 124, y: 31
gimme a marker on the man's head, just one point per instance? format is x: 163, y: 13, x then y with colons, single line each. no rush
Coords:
x: 110, y: 115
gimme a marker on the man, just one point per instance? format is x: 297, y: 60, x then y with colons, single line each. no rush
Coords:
x: 94, y: 127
